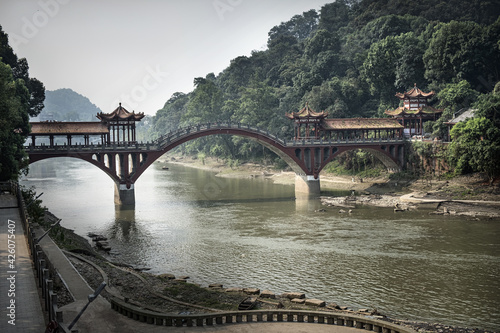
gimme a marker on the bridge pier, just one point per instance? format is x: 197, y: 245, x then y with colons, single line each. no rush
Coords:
x: 124, y: 196
x: 306, y: 187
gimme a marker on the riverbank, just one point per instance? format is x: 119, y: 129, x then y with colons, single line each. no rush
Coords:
x: 469, y: 196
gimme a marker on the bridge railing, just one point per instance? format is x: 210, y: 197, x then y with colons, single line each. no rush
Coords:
x: 182, y: 132
x: 92, y: 148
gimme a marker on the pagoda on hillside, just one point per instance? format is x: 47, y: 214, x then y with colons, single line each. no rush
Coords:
x: 415, y: 111
x: 311, y: 121
x: 120, y: 120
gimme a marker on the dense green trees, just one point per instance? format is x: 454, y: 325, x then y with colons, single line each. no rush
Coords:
x: 349, y: 59
x: 20, y: 97
x: 476, y: 147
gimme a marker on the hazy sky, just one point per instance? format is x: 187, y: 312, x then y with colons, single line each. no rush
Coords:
x: 138, y: 52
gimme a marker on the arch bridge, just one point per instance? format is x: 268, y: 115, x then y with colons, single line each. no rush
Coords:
x: 125, y: 162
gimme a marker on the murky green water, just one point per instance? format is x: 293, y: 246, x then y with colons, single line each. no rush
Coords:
x: 250, y: 233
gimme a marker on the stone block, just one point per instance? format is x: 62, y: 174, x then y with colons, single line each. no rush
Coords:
x: 251, y: 291
x: 298, y: 300
x: 234, y: 290
x: 215, y: 285
x: 315, y: 302
x: 267, y: 294
x: 294, y: 295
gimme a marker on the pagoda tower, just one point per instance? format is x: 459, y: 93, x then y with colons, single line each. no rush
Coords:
x: 415, y: 111
x: 120, y: 121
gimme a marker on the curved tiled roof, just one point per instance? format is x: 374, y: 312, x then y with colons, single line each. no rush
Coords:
x: 360, y: 123
x: 401, y: 111
x: 120, y: 113
x: 62, y: 128
x: 414, y: 92
x: 307, y: 112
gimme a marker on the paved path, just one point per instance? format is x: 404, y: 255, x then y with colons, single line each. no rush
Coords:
x: 28, y: 310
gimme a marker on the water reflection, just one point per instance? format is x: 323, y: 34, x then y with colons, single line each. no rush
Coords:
x: 124, y: 227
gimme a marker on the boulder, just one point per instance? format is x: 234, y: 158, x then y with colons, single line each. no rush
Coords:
x: 315, y: 302
x: 294, y: 295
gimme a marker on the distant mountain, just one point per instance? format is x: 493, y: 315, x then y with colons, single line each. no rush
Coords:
x: 67, y: 105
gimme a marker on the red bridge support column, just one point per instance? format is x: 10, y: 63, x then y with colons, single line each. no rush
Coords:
x: 306, y: 187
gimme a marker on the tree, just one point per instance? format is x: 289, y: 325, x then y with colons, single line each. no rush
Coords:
x: 452, y: 98
x: 460, y: 51
x: 14, y: 123
x: 20, y: 97
x: 475, y: 147
x: 488, y: 105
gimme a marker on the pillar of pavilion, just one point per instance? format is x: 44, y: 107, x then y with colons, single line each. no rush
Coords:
x: 415, y: 111
x: 121, y: 125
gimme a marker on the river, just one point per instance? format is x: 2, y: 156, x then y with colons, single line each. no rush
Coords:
x: 251, y: 233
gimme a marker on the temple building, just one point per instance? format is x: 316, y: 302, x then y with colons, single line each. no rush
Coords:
x: 120, y: 121
x: 415, y: 111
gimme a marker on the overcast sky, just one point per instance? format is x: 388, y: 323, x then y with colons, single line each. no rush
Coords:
x: 138, y: 52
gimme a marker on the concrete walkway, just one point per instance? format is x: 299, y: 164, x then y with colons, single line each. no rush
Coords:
x: 21, y: 288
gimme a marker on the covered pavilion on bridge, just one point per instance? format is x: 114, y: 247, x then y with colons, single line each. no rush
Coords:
x: 115, y: 127
x: 309, y: 119
x: 120, y: 120
x: 52, y: 129
x: 415, y: 111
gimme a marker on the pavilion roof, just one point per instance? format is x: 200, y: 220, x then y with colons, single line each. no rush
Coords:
x: 402, y: 111
x: 360, y: 123
x: 306, y: 112
x: 414, y: 92
x: 62, y: 128
x: 120, y: 113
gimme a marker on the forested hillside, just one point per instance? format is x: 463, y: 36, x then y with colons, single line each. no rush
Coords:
x: 348, y: 59
x: 68, y: 105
